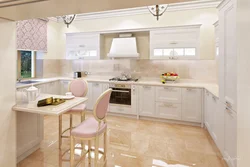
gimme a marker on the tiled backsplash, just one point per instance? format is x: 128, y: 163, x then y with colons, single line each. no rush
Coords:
x: 205, y: 70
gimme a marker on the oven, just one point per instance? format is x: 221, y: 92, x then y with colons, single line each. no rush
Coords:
x: 121, y: 94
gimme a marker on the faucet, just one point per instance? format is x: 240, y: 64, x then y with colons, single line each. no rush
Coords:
x: 19, y: 79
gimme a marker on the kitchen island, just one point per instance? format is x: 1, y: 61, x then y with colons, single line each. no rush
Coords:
x: 30, y: 122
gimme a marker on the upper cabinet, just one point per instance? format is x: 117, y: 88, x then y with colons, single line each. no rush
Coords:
x: 228, y: 54
x: 175, y: 43
x: 83, y: 46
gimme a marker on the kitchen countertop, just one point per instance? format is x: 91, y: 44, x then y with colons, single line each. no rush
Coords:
x: 211, y: 87
x: 49, y: 110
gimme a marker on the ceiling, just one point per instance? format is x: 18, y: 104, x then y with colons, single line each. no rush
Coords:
x: 50, y: 8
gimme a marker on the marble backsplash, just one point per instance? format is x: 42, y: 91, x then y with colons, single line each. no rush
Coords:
x: 204, y: 70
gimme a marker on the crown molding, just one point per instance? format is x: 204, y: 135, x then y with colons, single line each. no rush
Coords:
x: 201, y: 4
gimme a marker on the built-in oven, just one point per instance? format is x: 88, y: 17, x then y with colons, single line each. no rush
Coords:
x: 121, y: 94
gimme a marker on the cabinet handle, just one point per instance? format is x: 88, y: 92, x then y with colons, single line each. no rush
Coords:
x: 228, y: 104
x: 169, y: 105
x: 147, y: 87
x: 82, y: 46
x: 96, y: 84
x: 190, y: 89
x: 215, y: 99
x: 173, y: 43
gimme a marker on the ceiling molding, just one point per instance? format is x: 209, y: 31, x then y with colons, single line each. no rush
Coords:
x: 10, y: 3
x: 201, y: 4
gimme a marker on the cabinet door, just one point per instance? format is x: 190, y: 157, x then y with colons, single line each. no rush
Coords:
x: 168, y: 94
x: 218, y: 130
x: 64, y: 87
x: 209, y: 111
x: 134, y: 99
x: 96, y: 91
x: 168, y: 110
x: 146, y: 100
x: 230, y: 149
x: 191, y: 104
x: 228, y: 55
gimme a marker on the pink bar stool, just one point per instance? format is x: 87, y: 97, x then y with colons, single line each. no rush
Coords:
x: 91, y: 129
x: 78, y: 88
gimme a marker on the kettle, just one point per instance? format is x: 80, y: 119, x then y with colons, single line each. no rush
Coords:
x: 32, y: 93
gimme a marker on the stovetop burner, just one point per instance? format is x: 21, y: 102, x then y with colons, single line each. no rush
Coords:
x: 124, y: 80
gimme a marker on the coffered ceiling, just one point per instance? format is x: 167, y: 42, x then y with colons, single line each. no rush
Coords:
x: 27, y: 9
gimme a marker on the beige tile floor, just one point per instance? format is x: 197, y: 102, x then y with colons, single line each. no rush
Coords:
x: 135, y: 143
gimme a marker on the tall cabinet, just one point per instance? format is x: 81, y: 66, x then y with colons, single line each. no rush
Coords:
x: 228, y: 77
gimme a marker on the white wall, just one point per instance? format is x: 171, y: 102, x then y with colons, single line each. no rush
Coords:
x: 200, y: 16
x: 243, y: 27
x: 8, y: 59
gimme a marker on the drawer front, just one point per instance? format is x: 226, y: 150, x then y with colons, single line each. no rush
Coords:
x: 168, y: 110
x: 121, y: 109
x: 168, y: 94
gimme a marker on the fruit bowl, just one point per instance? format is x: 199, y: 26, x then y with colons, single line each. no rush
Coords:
x: 170, y: 78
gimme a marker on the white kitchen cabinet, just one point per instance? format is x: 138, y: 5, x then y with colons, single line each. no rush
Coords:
x: 168, y: 94
x: 192, y: 105
x: 175, y: 42
x: 228, y: 53
x: 95, y: 90
x: 210, y: 108
x: 168, y: 110
x: 230, y: 141
x: 83, y: 46
x: 146, y: 100
x: 134, y: 99
x: 64, y: 86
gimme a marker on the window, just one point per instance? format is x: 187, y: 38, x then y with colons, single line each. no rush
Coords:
x: 26, y: 64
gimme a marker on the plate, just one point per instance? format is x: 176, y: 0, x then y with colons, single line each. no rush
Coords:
x: 67, y: 97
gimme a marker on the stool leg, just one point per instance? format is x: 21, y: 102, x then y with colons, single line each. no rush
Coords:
x: 70, y: 123
x: 72, y: 150
x: 89, y: 151
x: 105, y: 147
x: 60, y: 131
x: 82, y: 119
x: 96, y: 150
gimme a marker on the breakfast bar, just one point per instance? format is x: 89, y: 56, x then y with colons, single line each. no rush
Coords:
x: 30, y: 135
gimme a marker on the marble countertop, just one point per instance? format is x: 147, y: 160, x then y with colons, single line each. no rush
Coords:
x: 211, y: 87
x: 49, y: 110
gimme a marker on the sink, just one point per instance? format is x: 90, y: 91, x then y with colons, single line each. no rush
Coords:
x: 28, y: 82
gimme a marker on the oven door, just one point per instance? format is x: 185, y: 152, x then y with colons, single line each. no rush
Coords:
x: 120, y: 96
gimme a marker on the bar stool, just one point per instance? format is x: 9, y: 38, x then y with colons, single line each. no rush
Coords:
x: 78, y: 88
x: 91, y: 129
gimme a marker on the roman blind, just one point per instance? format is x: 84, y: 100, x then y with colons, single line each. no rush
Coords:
x: 32, y: 35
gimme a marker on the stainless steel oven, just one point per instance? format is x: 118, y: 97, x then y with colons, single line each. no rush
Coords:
x: 121, y: 94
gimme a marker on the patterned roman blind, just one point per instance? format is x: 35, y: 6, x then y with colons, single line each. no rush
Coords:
x: 32, y: 35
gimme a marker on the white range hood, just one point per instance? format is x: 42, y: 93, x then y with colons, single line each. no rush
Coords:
x: 123, y: 48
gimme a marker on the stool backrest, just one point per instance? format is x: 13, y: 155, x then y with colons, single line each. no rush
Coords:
x: 78, y: 87
x: 101, y: 106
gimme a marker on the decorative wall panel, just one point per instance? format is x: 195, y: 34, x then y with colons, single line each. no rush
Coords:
x: 32, y: 35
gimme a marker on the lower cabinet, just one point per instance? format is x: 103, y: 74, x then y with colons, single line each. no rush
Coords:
x: 168, y: 110
x: 146, y: 100
x: 192, y: 105
x: 230, y: 141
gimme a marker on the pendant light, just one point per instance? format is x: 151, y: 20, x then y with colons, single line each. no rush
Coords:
x: 68, y: 19
x: 157, y: 10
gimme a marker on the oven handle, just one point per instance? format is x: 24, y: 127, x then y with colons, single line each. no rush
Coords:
x: 122, y: 91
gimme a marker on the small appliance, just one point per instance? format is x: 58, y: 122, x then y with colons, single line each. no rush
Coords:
x: 77, y: 74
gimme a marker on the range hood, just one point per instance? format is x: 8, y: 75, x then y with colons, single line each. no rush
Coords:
x: 124, y: 47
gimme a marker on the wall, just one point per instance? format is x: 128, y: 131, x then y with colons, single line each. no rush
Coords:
x: 8, y: 66
x: 243, y: 115
x: 195, y: 69
x: 206, y: 17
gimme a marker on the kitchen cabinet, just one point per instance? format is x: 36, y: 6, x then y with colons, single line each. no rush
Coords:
x: 230, y: 141
x: 146, y: 100
x: 95, y: 89
x: 168, y: 94
x: 192, y: 105
x: 64, y: 86
x: 168, y: 110
x: 228, y: 53
x: 83, y: 46
x: 210, y: 108
x: 180, y: 42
